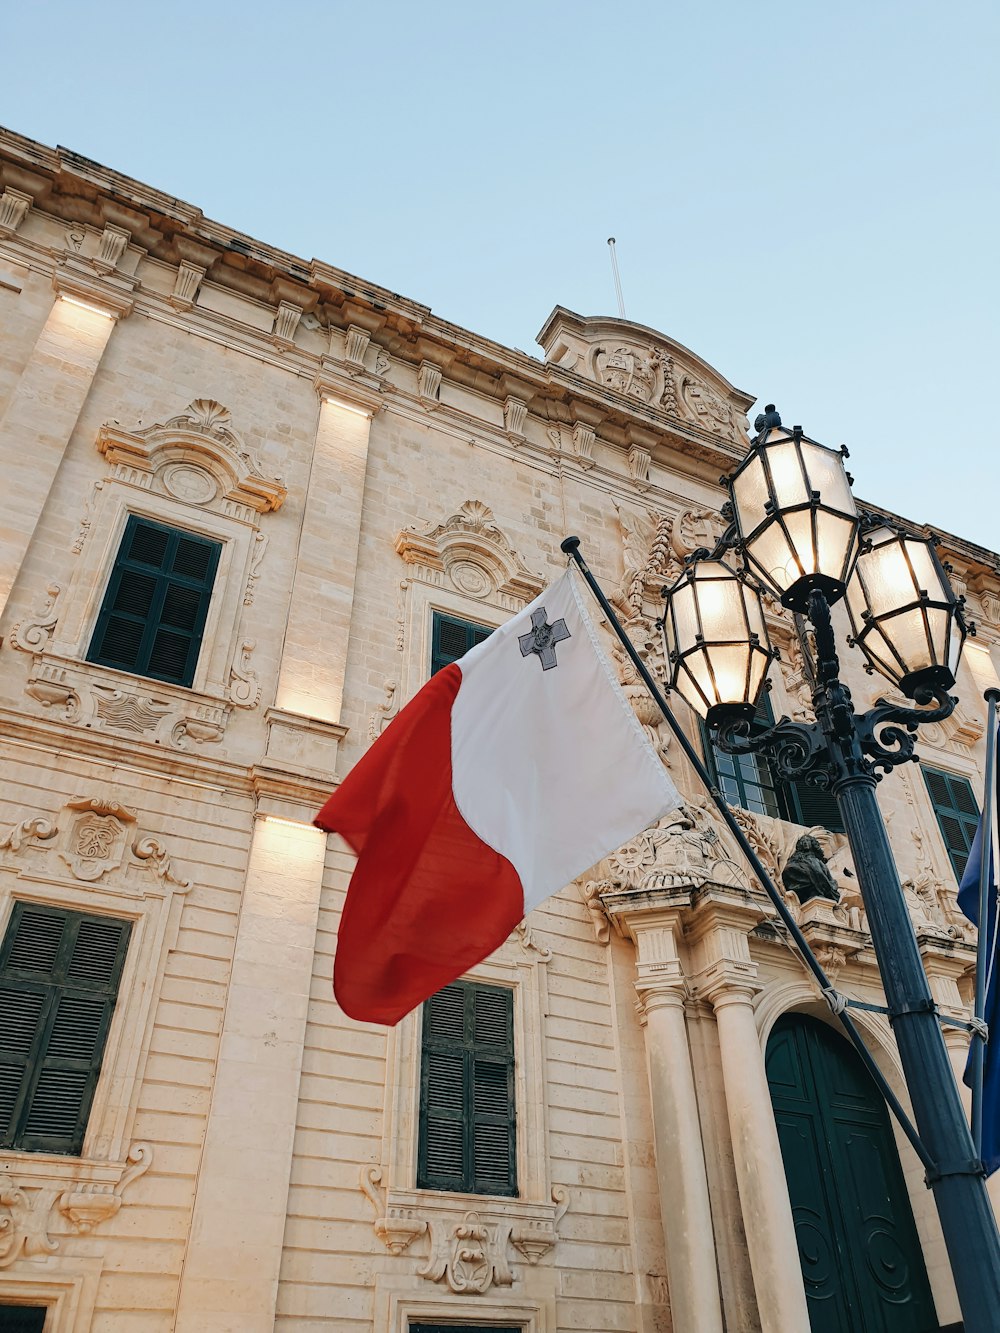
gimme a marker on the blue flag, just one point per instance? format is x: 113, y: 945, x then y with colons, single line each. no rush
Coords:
x: 968, y: 901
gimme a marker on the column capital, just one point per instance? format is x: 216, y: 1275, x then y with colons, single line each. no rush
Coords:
x: 358, y: 393
x: 723, y: 971
x: 107, y: 295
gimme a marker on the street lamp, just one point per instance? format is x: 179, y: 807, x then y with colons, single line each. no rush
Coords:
x: 797, y: 530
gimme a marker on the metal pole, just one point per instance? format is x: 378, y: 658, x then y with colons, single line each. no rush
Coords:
x: 986, y: 874
x: 957, y: 1177
x: 571, y: 546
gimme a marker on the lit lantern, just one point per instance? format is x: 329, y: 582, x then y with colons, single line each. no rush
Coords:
x: 906, y: 619
x: 796, y: 516
x: 716, y: 641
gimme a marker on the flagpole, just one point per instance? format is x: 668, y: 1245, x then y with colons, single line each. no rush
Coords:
x: 571, y: 547
x: 986, y: 873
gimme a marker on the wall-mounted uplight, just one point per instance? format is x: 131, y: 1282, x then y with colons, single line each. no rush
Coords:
x: 85, y: 305
x: 347, y: 407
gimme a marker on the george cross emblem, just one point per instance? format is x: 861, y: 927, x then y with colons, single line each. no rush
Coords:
x: 542, y: 638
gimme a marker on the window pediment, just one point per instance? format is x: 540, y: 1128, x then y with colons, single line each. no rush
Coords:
x: 473, y: 553
x: 196, y: 457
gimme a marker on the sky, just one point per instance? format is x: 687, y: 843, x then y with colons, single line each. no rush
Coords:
x: 804, y: 194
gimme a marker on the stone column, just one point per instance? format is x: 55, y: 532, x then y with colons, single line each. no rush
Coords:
x: 229, y: 1282
x: 727, y: 979
x: 314, y: 655
x: 45, y: 405
x: 692, y: 1272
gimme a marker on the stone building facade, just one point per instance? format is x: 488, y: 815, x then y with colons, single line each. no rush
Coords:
x: 351, y: 472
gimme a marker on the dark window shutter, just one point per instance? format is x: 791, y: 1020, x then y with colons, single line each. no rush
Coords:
x: 467, y: 1121
x: 59, y: 975
x: 957, y: 813
x: 452, y: 638
x: 28, y: 1318
x: 153, y: 615
x: 813, y: 806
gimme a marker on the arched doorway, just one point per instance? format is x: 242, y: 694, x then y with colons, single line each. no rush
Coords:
x: 861, y: 1258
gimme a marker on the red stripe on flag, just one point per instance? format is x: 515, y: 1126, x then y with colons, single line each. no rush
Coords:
x: 428, y: 898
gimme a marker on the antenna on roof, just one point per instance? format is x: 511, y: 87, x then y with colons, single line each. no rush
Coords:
x: 618, y: 281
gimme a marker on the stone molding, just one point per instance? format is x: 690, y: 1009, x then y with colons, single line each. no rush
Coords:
x: 14, y: 206
x: 83, y: 282
x: 467, y: 1246
x: 474, y: 554
x: 196, y: 457
x: 27, y: 1218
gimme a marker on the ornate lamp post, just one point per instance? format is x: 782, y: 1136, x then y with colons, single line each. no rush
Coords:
x: 798, y: 532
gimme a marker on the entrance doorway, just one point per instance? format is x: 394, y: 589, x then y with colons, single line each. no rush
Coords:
x: 858, y: 1246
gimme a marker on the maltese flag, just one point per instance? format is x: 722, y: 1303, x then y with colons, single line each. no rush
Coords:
x: 511, y: 772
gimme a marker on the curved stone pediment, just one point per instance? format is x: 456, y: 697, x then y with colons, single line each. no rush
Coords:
x: 648, y: 367
x: 197, y: 456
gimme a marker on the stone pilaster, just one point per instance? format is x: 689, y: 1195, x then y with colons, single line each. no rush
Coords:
x: 314, y: 655
x: 692, y: 1269
x: 229, y: 1283
x: 46, y: 403
x: 727, y: 977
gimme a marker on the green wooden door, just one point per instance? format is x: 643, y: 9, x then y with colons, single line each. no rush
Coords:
x: 861, y: 1259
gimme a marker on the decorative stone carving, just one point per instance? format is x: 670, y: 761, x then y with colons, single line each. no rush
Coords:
x: 684, y: 850
x: 13, y: 209
x: 705, y: 408
x: 638, y: 466
x: 260, y: 544
x: 152, y: 853
x: 355, y: 346
x: 112, y: 245
x: 554, y: 436
x: 128, y: 712
x: 286, y: 321
x: 189, y: 279
x: 51, y: 686
x: 87, y: 518
x: 244, y: 686
x: 469, y: 1256
x: 75, y: 239
x: 590, y: 891
x: 429, y: 384
x: 467, y: 1253
x: 626, y: 369
x: 668, y: 398
x: 584, y: 440
x: 205, y: 725
x: 27, y: 831
x: 86, y: 1208
x: 97, y: 837
x: 32, y: 635
x: 515, y: 412
x: 795, y: 674
x: 24, y: 1231
x: 529, y: 944
x: 382, y: 362
x: 693, y: 530
x: 762, y: 841
x: 384, y: 712
x: 473, y: 553
x: 199, y: 440
x: 647, y: 556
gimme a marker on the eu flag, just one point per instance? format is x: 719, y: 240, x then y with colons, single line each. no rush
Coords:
x: 968, y: 901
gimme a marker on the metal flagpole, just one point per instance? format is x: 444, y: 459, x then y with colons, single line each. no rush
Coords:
x: 571, y: 547
x: 985, y: 947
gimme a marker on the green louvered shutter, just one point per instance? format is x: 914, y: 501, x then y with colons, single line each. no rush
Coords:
x: 153, y: 615
x: 467, y: 1123
x: 957, y: 813
x: 59, y: 975
x: 452, y: 638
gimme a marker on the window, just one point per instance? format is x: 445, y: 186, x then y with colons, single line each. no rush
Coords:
x: 22, y: 1318
x: 466, y: 1139
x: 153, y: 615
x: 461, y: 1328
x: 452, y: 638
x: 957, y: 814
x: 59, y: 974
x: 746, y: 780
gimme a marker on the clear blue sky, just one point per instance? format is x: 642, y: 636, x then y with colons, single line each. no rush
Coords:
x: 805, y: 194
